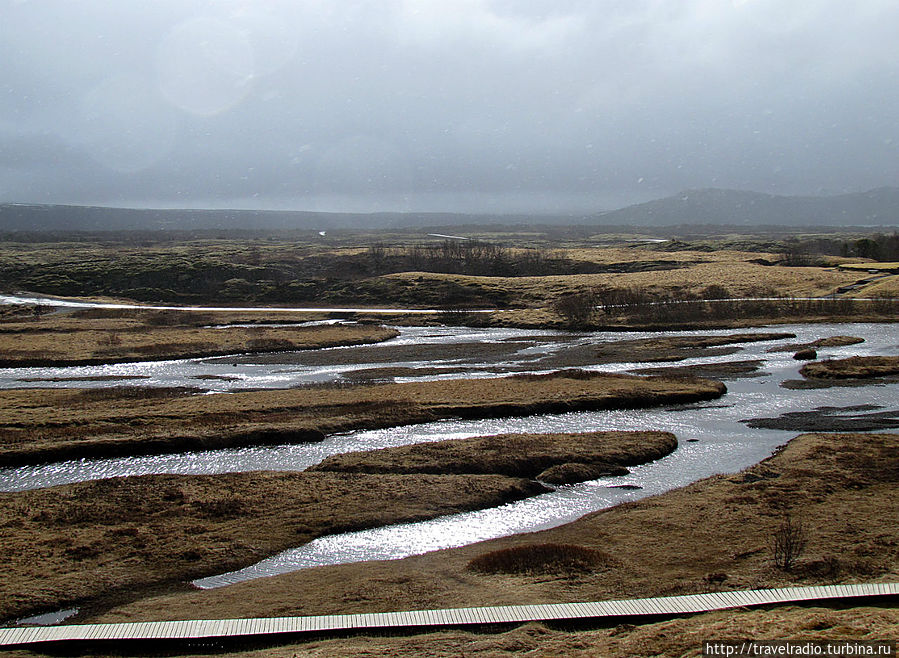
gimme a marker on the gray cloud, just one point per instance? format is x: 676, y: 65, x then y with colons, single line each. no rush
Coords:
x: 442, y: 105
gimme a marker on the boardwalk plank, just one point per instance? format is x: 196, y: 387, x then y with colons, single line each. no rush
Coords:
x: 730, y: 599
x: 13, y: 635
x: 504, y: 614
x: 57, y: 632
x: 654, y: 606
x: 436, y: 618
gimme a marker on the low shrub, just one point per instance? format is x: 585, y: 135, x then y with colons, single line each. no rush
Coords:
x: 787, y: 543
x: 540, y: 558
x: 132, y: 393
x: 269, y: 344
x: 577, y: 310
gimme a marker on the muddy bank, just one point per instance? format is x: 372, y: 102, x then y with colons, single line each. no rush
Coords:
x: 89, y: 345
x: 725, y: 371
x: 856, y: 367
x: 854, y: 371
x: 678, y: 348
x: 831, y: 341
x: 112, y: 538
x: 469, y: 352
x: 39, y: 425
x: 553, y: 458
x: 661, y: 349
x: 858, y: 418
x: 714, y: 534
x: 391, y: 374
x: 570, y: 351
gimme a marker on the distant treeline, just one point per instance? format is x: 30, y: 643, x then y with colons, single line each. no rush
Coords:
x: 602, y: 305
x: 880, y: 247
x: 475, y: 258
x: 253, y: 273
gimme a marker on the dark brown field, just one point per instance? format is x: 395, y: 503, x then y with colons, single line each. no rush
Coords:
x: 712, y: 535
x: 52, y: 424
x: 553, y: 458
x: 856, y: 367
x: 123, y: 537
x: 61, y: 340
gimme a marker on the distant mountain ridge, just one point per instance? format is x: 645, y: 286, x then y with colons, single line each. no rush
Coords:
x: 878, y: 207
x: 33, y: 217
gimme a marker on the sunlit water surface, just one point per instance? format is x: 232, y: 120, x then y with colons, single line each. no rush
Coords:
x: 712, y: 438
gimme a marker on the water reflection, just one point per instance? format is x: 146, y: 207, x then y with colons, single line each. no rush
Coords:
x: 713, y: 437
x: 758, y: 397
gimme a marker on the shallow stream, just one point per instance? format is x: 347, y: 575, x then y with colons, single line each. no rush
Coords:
x: 712, y: 436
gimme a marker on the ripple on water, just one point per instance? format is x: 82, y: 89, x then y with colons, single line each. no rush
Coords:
x: 723, y: 442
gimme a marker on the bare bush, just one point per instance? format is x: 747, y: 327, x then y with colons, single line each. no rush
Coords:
x: 715, y: 291
x: 787, y: 543
x: 456, y: 314
x: 577, y: 310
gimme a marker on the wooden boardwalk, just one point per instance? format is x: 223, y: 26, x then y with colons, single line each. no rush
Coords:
x: 206, y: 629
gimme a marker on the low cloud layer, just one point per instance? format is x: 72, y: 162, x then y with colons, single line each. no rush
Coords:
x: 462, y: 105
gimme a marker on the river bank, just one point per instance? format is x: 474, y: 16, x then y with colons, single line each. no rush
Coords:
x: 121, y: 537
x: 674, y: 310
x: 58, y: 341
x: 552, y: 458
x: 41, y: 425
x: 140, y: 534
x: 712, y: 535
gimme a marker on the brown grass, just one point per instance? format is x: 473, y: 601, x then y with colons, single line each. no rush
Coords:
x: 712, y: 534
x: 123, y: 340
x: 50, y: 424
x: 539, y: 456
x: 856, y: 367
x: 540, y: 559
x: 114, y: 537
x: 734, y: 272
x: 875, y: 265
x: 887, y: 287
x: 830, y: 341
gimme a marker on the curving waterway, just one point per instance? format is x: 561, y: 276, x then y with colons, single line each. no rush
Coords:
x: 713, y: 437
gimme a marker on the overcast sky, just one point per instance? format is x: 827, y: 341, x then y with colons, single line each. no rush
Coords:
x: 455, y: 105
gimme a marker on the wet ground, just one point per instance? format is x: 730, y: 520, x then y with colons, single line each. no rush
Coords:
x: 713, y: 437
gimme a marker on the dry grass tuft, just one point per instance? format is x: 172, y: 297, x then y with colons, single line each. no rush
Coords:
x: 540, y: 558
x: 856, y: 367
x: 83, y: 341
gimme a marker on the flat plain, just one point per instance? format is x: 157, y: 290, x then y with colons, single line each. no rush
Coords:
x: 167, y: 529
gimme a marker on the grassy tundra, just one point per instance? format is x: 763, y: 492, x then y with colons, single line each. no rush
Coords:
x: 89, y: 338
x: 51, y: 424
x: 521, y: 273
x: 712, y: 535
x: 125, y: 547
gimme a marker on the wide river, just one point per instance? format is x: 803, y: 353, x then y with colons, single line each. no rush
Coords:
x: 713, y: 437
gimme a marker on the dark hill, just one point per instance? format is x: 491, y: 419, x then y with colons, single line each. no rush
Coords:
x: 878, y: 207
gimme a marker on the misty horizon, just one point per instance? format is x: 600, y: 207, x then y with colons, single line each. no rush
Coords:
x: 476, y: 106
x: 249, y: 207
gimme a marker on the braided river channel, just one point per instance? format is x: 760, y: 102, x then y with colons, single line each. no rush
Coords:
x: 714, y: 437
